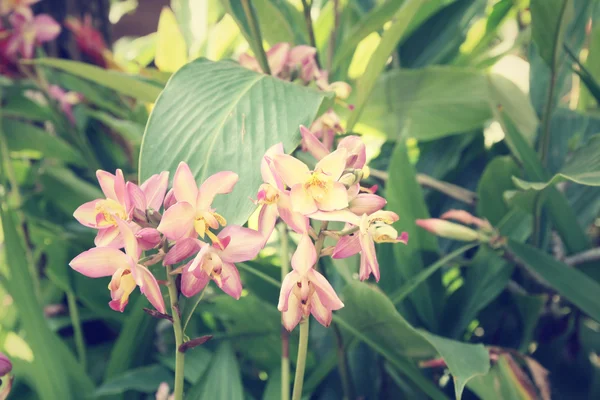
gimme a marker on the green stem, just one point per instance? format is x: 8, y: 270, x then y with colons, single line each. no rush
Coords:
x: 78, y: 332
x: 301, y: 362
x: 285, y: 335
x: 309, y: 26
x: 179, y: 356
x: 343, y: 363
x: 259, y: 51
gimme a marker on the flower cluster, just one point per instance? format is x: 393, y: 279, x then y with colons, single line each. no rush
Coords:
x: 24, y: 33
x: 130, y: 218
x: 329, y: 192
x: 299, y: 64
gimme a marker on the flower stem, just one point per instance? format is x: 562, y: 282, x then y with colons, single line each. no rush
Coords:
x: 306, y: 7
x: 259, y: 51
x: 285, y: 335
x: 301, y: 362
x: 77, y: 331
x: 177, y: 329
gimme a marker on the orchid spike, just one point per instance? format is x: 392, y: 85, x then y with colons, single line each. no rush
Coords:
x: 449, y: 230
x: 192, y: 214
x: 30, y: 31
x: 104, y: 214
x: 305, y: 291
x: 126, y: 271
x: 314, y: 190
x: 217, y: 261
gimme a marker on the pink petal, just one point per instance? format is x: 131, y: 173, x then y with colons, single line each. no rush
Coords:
x: 191, y: 285
x: 177, y: 221
x: 267, y: 218
x: 290, y: 280
x: 107, y: 184
x: 150, y: 289
x: 368, y: 260
x: 301, y: 54
x: 244, y: 245
x: 266, y: 169
x: 109, y: 237
x: 347, y: 246
x: 305, y: 256
x: 169, y: 199
x: 292, y: 316
x: 230, y: 280
x: 138, y: 199
x: 312, y: 144
x: 327, y: 295
x: 302, y: 201
x: 277, y: 57
x: 121, y: 191
x: 148, y: 238
x: 183, y: 249
x: 131, y: 245
x: 338, y: 215
x: 154, y: 189
x: 46, y: 28
x: 353, y: 191
x: 86, y: 213
x: 335, y: 199
x: 247, y: 61
x: 295, y: 220
x: 219, y: 183
x: 184, y: 184
x: 100, y: 261
x: 291, y: 170
x: 333, y: 164
x: 366, y: 203
x: 357, y: 152
x: 198, y: 260
x: 319, y: 311
x: 466, y: 218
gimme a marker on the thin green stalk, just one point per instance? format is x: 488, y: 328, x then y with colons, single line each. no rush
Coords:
x: 309, y: 27
x: 179, y: 356
x: 301, y: 362
x: 77, y: 330
x: 343, y: 363
x: 261, y: 56
x: 285, y: 335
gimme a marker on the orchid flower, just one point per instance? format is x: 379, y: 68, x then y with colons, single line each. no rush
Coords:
x: 193, y: 212
x: 125, y: 269
x: 326, y: 127
x: 9, y: 6
x: 30, y: 31
x: 357, y: 153
x: 104, y: 214
x: 277, y: 58
x: 303, y: 59
x: 217, y: 261
x: 89, y: 40
x: 314, y: 190
x: 66, y: 100
x: 5, y: 365
x: 274, y: 201
x: 371, y: 229
x: 305, y: 291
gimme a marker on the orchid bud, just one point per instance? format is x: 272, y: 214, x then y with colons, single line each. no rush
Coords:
x: 169, y: 199
x: 348, y: 179
x: 341, y: 89
x: 466, y: 218
x: 5, y: 365
x: 449, y: 230
x: 139, y: 217
x: 154, y: 217
x: 148, y: 238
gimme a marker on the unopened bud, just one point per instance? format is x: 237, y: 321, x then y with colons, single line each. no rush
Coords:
x: 5, y: 365
x: 154, y: 217
x: 342, y: 89
x: 190, y: 344
x: 139, y: 217
x: 348, y: 179
x: 449, y: 230
x: 148, y: 238
x: 169, y: 199
x: 467, y: 218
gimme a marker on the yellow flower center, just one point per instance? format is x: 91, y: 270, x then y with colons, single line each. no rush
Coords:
x: 382, y: 233
x: 111, y: 210
x: 206, y: 220
x: 270, y: 195
x: 318, y: 184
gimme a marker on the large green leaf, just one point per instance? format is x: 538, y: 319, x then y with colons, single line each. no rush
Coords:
x: 573, y: 284
x: 433, y: 102
x: 222, y: 380
x: 501, y: 383
x: 583, y: 168
x: 119, y: 82
x: 549, y: 19
x: 220, y: 116
x: 378, y: 60
x: 372, y: 317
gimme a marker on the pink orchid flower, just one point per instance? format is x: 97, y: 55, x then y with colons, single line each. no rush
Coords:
x: 217, y: 261
x: 277, y: 58
x: 193, y: 212
x: 357, y: 152
x: 89, y: 40
x: 373, y: 228
x: 318, y: 189
x: 9, y: 6
x: 30, y: 31
x: 125, y: 269
x: 303, y: 59
x: 305, y: 291
x: 326, y: 127
x: 5, y: 365
x: 66, y: 100
x: 274, y: 201
x: 104, y: 214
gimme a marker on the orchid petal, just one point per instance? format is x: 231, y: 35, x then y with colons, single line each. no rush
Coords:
x: 121, y: 286
x: 334, y: 199
x: 312, y: 144
x: 131, y: 245
x: 325, y: 291
x: 199, y: 260
x: 86, y: 213
x: 292, y: 316
x: 230, y: 280
x: 357, y: 151
x: 154, y: 189
x: 302, y: 201
x: 244, y: 245
x: 184, y: 184
x: 249, y: 62
x: 121, y: 191
x: 347, y: 246
x: 266, y: 169
x: 291, y: 170
x: 148, y: 238
x: 183, y: 249
x: 219, y: 183
x: 100, y: 261
x: 287, y: 285
x: 333, y: 164
x: 107, y: 184
x: 191, y: 285
x: 319, y: 311
x: 169, y: 199
x: 277, y: 57
x: 138, y: 199
x: 302, y: 53
x: 337, y: 215
x: 177, y: 221
x: 267, y: 218
x: 295, y: 220
x: 150, y: 289
x: 305, y: 255
x: 109, y: 237
x: 368, y: 261
x: 366, y: 203
x: 46, y: 28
